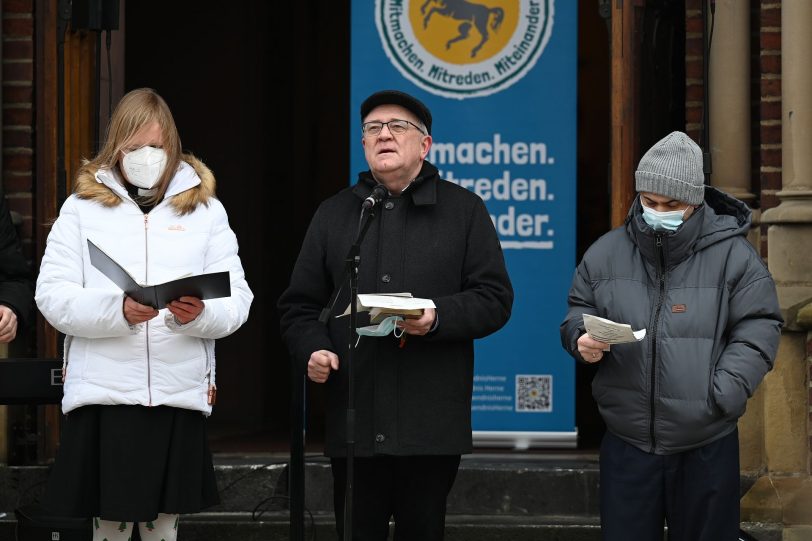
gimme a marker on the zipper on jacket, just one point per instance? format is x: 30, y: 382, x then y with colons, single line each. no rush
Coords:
x: 660, y: 298
x: 146, y: 281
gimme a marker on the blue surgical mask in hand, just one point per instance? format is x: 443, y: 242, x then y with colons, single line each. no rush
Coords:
x: 381, y: 329
x: 659, y: 221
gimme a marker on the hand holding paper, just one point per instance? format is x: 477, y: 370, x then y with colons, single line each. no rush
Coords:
x: 609, y: 332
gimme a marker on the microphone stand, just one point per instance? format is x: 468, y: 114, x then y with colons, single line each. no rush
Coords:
x: 353, y: 262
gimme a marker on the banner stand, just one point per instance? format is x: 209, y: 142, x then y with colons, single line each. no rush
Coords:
x: 522, y: 441
x: 500, y: 79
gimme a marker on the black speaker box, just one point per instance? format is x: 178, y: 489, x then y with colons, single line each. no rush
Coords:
x: 34, y: 523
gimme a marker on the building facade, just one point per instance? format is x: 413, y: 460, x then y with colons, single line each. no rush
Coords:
x: 246, y: 94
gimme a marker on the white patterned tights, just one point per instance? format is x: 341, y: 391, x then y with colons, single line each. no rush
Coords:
x: 163, y: 528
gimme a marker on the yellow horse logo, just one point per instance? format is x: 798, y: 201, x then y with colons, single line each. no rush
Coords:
x: 471, y: 15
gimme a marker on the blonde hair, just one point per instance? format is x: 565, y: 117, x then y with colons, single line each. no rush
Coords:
x: 138, y: 109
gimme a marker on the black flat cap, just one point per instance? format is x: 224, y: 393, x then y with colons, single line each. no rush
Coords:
x: 396, y: 97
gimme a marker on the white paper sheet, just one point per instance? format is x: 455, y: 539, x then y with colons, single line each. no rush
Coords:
x: 609, y: 332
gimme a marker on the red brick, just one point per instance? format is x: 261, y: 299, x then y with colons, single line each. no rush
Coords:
x: 771, y: 63
x: 18, y: 183
x: 17, y: 117
x: 769, y: 201
x: 694, y: 93
x: 18, y: 71
x: 18, y: 49
x: 770, y: 110
x: 18, y: 6
x: 770, y: 135
x: 18, y: 28
x: 18, y: 94
x: 771, y: 88
x: 18, y: 138
x: 770, y: 181
x: 693, y: 69
x: 17, y: 162
x: 771, y: 41
x: 693, y: 114
x: 20, y: 204
x: 770, y: 17
x: 694, y: 47
x: 771, y: 157
x: 693, y: 24
x: 763, y: 247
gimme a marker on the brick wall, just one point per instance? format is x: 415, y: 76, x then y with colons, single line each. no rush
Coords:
x: 18, y: 113
x: 766, y: 94
x: 694, y: 90
x: 769, y: 119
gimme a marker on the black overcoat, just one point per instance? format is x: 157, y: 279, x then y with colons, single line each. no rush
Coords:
x: 436, y: 240
x: 16, y: 286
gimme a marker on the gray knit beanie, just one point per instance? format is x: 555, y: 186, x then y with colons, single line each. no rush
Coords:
x: 673, y: 167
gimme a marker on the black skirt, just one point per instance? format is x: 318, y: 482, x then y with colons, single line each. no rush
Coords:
x: 129, y: 463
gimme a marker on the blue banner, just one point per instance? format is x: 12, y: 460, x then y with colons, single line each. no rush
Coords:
x: 500, y: 79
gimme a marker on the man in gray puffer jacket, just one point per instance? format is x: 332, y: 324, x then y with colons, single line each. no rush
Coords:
x: 680, y: 267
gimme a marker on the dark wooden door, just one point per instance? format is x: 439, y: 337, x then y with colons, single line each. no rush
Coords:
x: 260, y: 94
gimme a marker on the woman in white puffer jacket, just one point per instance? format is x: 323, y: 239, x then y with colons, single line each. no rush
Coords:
x: 139, y: 381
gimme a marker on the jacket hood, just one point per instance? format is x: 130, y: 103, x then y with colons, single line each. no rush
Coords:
x: 730, y: 218
x: 192, y: 185
x: 719, y: 218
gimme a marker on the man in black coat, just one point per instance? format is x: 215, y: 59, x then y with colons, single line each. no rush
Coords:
x: 432, y: 239
x: 16, y: 293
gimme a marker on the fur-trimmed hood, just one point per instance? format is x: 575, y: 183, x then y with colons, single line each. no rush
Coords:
x: 192, y: 185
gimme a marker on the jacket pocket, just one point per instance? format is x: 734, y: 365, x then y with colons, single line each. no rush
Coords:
x: 112, y: 363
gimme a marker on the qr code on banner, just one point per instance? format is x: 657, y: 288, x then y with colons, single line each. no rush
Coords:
x: 534, y: 393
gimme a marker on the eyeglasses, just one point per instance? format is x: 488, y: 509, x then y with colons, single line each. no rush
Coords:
x: 396, y: 127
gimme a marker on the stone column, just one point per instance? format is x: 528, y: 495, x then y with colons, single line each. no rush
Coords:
x: 729, y: 104
x: 786, y: 491
x: 729, y: 99
x: 790, y: 223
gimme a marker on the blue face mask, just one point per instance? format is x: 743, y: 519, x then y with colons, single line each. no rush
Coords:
x: 381, y: 329
x: 660, y: 221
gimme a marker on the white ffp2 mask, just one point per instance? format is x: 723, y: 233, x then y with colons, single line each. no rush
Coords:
x: 143, y: 167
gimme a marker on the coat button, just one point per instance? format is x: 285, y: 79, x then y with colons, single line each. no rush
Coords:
x: 386, y: 278
x: 380, y: 438
x: 389, y: 205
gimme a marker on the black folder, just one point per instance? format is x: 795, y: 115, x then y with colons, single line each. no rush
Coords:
x: 203, y: 286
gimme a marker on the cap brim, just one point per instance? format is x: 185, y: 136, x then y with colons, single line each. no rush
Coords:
x: 395, y: 97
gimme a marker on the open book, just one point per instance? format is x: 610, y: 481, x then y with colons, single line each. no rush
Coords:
x: 203, y: 286
x: 380, y: 306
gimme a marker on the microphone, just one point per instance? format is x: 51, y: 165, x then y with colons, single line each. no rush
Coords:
x: 379, y: 193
